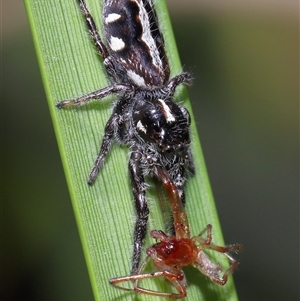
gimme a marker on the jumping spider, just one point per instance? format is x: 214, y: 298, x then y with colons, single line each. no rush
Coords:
x: 144, y: 118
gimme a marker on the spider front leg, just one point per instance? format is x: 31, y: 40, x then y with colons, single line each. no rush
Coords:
x: 183, y: 78
x: 190, y: 162
x: 98, y: 94
x: 179, y: 285
x: 90, y: 23
x: 109, y: 132
x: 139, y: 193
x: 112, y: 127
x: 207, y: 242
x: 206, y: 265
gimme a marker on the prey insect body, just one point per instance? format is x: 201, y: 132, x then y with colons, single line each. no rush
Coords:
x: 145, y: 118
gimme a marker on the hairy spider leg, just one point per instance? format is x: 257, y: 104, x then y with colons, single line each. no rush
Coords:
x: 90, y: 23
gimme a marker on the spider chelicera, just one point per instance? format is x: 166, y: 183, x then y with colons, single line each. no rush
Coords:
x: 144, y: 117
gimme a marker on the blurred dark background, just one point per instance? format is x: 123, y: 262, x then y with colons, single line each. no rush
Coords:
x: 245, y: 62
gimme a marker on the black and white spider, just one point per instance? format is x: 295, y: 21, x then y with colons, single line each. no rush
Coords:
x: 144, y: 118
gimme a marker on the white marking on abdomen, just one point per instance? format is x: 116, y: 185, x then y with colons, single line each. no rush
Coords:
x: 116, y: 44
x: 112, y: 18
x: 137, y: 79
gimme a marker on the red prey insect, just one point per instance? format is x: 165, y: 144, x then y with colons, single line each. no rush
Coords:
x: 171, y: 253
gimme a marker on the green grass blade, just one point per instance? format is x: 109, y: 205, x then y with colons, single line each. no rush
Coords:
x: 105, y: 212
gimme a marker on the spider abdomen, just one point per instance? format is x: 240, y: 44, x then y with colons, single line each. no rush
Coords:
x: 135, y: 42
